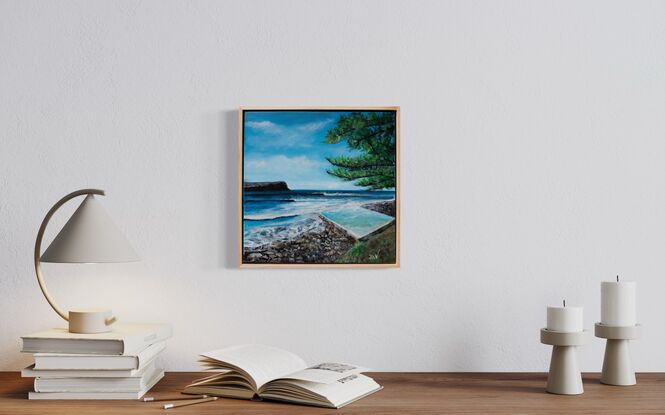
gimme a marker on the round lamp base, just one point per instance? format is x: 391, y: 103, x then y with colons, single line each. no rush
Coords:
x: 90, y: 321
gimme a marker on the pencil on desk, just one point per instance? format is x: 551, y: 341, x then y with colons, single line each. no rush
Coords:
x: 184, y: 398
x: 178, y: 405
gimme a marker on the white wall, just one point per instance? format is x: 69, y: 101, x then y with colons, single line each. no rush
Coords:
x: 532, y: 168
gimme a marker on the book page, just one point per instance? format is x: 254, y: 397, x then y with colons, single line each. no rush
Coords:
x: 326, y: 372
x: 338, y: 393
x: 262, y: 363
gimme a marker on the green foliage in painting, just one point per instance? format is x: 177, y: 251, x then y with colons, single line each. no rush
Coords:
x: 379, y: 249
x: 373, y: 134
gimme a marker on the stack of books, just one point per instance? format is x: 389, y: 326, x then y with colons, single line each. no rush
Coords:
x: 116, y: 365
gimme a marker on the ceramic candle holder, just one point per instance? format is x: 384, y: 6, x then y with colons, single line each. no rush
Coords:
x: 617, y: 368
x: 564, y: 377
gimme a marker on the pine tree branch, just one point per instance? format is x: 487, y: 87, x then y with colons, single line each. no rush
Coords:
x: 356, y: 164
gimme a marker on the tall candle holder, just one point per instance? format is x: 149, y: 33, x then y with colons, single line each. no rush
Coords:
x: 617, y: 368
x: 564, y: 377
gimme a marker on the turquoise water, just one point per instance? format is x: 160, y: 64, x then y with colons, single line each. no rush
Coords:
x: 358, y: 221
x: 270, y: 217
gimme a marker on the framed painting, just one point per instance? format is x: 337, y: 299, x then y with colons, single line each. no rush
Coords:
x: 319, y: 187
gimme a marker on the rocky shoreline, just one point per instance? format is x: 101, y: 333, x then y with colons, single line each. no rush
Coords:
x: 386, y: 207
x: 324, y: 246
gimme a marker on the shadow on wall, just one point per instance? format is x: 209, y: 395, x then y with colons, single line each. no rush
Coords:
x: 219, y: 214
x: 229, y: 240
x: 18, y: 361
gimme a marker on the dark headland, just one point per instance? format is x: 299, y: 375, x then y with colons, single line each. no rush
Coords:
x: 265, y: 186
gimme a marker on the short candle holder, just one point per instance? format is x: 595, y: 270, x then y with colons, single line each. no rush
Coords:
x: 617, y: 369
x: 564, y: 377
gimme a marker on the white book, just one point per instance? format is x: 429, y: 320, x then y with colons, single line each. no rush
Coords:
x: 263, y: 372
x: 122, y: 365
x: 88, y: 384
x: 158, y: 374
x: 124, y: 339
x: 31, y: 372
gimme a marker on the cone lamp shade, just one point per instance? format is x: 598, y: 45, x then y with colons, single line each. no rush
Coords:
x: 89, y: 236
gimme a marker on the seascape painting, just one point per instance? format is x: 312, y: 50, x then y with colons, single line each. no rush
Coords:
x: 320, y: 187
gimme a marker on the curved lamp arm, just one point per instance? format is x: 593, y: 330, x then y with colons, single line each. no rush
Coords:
x: 38, y: 246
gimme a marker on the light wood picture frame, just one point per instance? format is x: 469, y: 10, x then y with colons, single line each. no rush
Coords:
x: 319, y: 187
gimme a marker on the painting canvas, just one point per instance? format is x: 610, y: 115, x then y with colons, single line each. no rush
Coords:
x: 320, y: 187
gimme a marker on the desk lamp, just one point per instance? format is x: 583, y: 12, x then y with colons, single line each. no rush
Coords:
x: 89, y: 236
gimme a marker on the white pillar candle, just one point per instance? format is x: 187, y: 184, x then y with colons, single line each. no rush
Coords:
x: 567, y: 319
x: 617, y: 303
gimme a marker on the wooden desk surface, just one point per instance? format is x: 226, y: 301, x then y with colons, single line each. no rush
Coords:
x: 403, y: 393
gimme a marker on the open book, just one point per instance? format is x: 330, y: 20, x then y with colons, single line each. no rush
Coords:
x: 257, y: 371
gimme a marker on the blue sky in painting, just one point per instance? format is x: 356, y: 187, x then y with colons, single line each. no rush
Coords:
x: 288, y: 146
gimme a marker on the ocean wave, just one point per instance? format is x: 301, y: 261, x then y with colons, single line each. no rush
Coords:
x: 272, y: 221
x: 342, y: 194
x: 258, y: 212
x: 255, y: 237
x: 269, y: 200
x: 305, y: 194
x: 268, y: 217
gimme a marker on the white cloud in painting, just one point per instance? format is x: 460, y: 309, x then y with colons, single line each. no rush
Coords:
x: 265, y: 126
x: 314, y: 126
x: 299, y: 135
